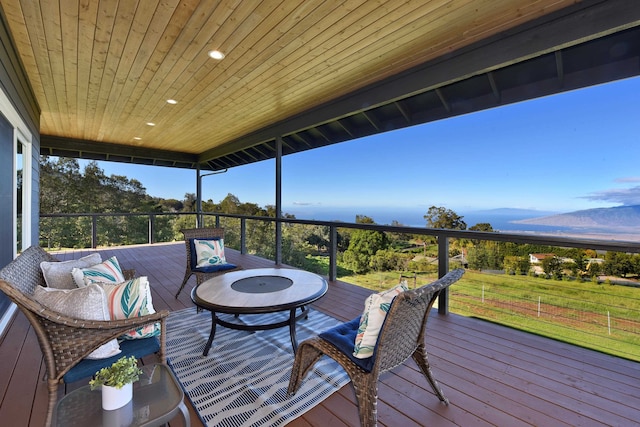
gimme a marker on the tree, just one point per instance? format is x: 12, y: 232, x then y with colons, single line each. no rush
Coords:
x: 552, y: 267
x: 318, y: 241
x: 486, y: 255
x: 635, y: 259
x: 579, y: 264
x: 364, y: 244
x: 65, y: 189
x: 230, y: 204
x: 189, y: 203
x: 617, y: 264
x: 60, y: 190
x: 590, y: 253
x: 170, y: 205
x: 593, y: 269
x: 389, y: 261
x: 440, y: 217
x: 403, y: 237
x: 363, y: 219
x: 516, y: 264
x: 482, y: 226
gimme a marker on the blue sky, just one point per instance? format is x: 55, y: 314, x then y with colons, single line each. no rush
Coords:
x: 567, y: 152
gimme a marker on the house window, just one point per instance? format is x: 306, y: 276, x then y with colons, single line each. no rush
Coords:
x: 21, y: 197
x: 16, y: 184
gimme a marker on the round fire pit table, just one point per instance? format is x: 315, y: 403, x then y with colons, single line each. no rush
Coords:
x: 259, y: 291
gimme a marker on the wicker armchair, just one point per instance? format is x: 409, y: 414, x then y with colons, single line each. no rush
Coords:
x: 202, y: 274
x: 66, y: 341
x: 401, y: 336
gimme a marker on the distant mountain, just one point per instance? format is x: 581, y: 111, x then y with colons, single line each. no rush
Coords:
x: 616, y: 218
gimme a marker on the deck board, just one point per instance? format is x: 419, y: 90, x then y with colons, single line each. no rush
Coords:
x: 492, y: 375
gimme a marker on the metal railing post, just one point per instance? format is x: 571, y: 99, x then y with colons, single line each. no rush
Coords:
x: 152, y: 226
x: 94, y: 231
x: 443, y: 268
x: 278, y: 243
x: 243, y: 236
x: 333, y: 253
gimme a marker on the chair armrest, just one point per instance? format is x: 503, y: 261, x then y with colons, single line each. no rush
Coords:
x: 28, y: 304
x: 67, y: 335
x: 72, y: 322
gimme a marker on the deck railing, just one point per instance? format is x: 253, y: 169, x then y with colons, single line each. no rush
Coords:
x: 482, y: 294
x: 442, y: 235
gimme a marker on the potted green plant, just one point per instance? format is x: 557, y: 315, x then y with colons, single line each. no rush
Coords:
x: 116, y: 382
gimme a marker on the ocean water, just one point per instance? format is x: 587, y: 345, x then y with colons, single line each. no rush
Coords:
x: 414, y: 217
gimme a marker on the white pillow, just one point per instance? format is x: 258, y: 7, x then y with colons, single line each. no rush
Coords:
x: 376, y: 307
x: 108, y: 271
x: 209, y: 252
x: 58, y: 274
x: 88, y: 303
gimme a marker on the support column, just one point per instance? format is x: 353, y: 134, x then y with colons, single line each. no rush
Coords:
x: 278, y: 252
x: 199, y: 222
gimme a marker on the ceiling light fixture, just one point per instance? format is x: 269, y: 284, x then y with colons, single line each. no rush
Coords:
x: 172, y: 101
x: 150, y: 124
x: 137, y: 138
x: 216, y: 54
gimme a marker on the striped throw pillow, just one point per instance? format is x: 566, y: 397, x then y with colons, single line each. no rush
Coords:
x: 131, y: 299
x: 376, y: 307
x: 108, y: 271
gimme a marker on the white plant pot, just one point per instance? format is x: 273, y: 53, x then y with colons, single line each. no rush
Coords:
x: 114, y: 398
x: 121, y: 417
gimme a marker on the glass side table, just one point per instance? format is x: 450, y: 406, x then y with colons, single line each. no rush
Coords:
x: 157, y: 399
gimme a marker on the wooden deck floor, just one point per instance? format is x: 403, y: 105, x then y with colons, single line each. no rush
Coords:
x: 493, y: 376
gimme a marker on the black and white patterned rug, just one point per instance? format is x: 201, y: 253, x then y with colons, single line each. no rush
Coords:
x: 243, y: 381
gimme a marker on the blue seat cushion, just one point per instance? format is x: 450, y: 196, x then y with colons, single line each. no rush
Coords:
x: 88, y: 367
x: 343, y: 337
x: 214, y: 268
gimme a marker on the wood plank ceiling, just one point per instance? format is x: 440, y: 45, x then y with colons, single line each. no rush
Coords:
x: 102, y: 70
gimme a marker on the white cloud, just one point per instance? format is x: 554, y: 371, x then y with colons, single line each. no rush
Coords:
x: 625, y: 196
x: 628, y: 179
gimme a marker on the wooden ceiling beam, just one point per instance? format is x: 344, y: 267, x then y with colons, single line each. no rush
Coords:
x: 50, y: 145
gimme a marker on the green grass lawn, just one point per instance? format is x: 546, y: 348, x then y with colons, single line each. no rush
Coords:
x: 601, y: 317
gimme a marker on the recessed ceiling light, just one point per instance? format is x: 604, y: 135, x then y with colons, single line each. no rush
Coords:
x: 216, y: 54
x: 150, y: 124
x: 137, y: 138
x: 172, y: 101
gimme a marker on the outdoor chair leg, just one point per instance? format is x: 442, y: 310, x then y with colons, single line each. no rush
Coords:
x: 305, y: 358
x: 366, y: 389
x: 184, y: 282
x: 420, y: 356
x: 53, y: 399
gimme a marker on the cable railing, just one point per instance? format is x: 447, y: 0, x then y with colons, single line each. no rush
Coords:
x: 598, y: 314
x: 594, y: 314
